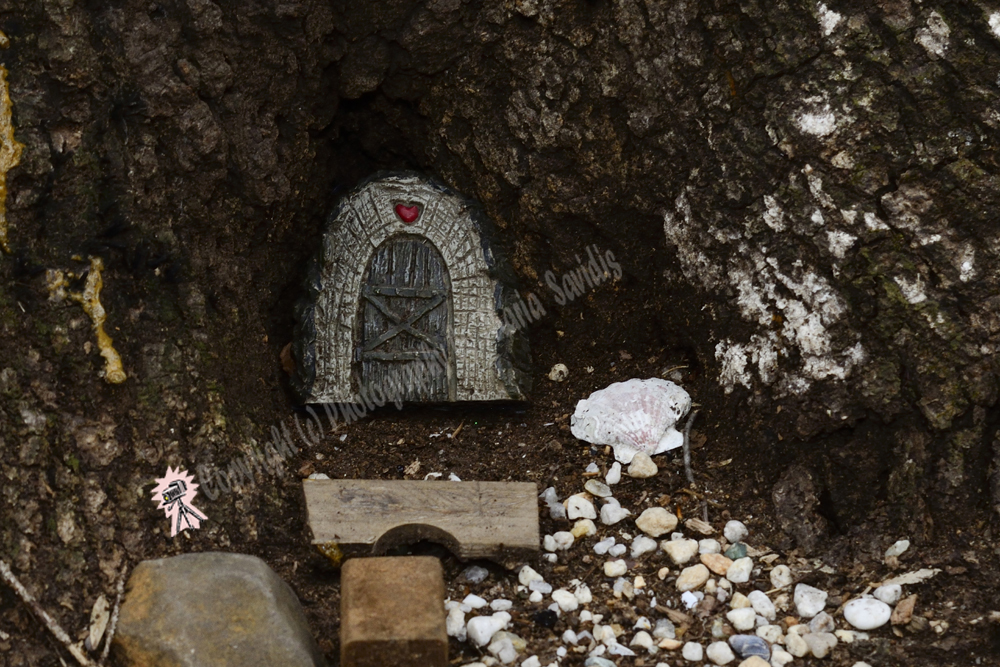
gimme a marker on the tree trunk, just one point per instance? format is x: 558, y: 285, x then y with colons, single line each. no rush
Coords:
x: 802, y: 197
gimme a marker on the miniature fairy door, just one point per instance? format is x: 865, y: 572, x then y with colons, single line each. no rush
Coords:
x: 404, y: 346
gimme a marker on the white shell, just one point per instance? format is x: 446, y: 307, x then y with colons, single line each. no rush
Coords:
x: 633, y: 416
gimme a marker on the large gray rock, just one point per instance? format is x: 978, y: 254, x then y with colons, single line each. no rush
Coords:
x: 213, y: 609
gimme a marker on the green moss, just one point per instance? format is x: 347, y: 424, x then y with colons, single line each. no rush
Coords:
x: 74, y: 463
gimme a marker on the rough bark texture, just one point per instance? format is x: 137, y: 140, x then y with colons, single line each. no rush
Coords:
x: 802, y: 196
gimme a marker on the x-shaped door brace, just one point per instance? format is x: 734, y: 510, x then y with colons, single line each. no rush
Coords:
x: 373, y: 294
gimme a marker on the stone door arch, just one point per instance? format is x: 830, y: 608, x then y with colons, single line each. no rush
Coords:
x: 488, y: 358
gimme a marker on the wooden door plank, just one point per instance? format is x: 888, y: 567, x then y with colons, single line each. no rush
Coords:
x: 496, y: 520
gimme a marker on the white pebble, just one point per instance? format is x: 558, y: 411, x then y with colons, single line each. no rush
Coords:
x: 482, y: 628
x: 617, y: 550
x: 612, y: 512
x: 533, y: 661
x: 780, y: 658
x: 680, y: 551
x: 614, y: 474
x: 656, y: 521
x: 709, y: 546
x: 556, y: 509
x: 897, y: 549
x: 762, y: 604
x: 503, y: 649
x: 889, y: 594
x: 455, y: 624
x: 526, y: 575
x: 474, y: 601
x: 617, y: 649
x: 579, y: 507
x: 720, y: 653
x: 693, y: 652
x: 642, y: 466
x: 584, y: 528
x: 566, y: 600
x: 558, y: 373
x: 809, y: 601
x: 592, y: 468
x: 692, y: 578
x: 781, y: 576
x: 615, y: 568
x: 501, y: 605
x: 550, y: 557
x: 795, y: 645
x: 583, y: 594
x: 569, y: 637
x: 689, y: 600
x: 563, y: 540
x: 602, y: 547
x: 597, y: 488
x: 772, y: 634
x: 820, y: 643
x: 541, y: 586
x: 742, y: 619
x: 535, y: 596
x: 642, y: 640
x: 867, y: 613
x: 739, y: 571
x: 549, y: 543
x: 643, y: 545
x: 735, y: 531
x: 822, y: 622
x: 642, y: 624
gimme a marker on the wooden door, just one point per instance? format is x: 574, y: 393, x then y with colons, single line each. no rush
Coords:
x: 405, y: 345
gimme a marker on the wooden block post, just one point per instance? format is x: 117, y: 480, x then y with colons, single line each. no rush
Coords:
x: 392, y: 613
x: 494, y: 520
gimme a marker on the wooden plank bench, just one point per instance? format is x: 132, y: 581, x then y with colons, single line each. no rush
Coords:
x: 492, y: 520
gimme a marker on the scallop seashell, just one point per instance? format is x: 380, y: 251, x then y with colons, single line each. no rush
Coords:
x: 633, y: 416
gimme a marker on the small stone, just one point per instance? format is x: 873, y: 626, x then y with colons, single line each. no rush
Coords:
x: 541, y: 586
x: 795, y: 645
x: 692, y: 577
x: 526, y: 575
x: 597, y: 488
x: 558, y: 373
x: 771, y: 633
x: 897, y: 549
x: 597, y: 661
x: 533, y: 661
x: 617, y: 550
x: 762, y: 604
x: 861, y: 664
x: 736, y: 551
x: 809, y: 601
x: 754, y: 661
x: 851, y: 636
x: 670, y: 644
x: 615, y: 568
x: 535, y: 596
x: 888, y: 594
x: 903, y: 612
x: 642, y: 640
x: 709, y: 546
x: 748, y: 645
x: 583, y: 594
x: 549, y: 543
x: 720, y: 653
x: 474, y: 601
x: 556, y: 509
x: 579, y: 507
x: 455, y: 624
x: 699, y: 526
x: 820, y: 643
x: 642, y: 466
x: 822, y: 622
x: 742, y: 619
x: 612, y: 512
x: 642, y: 545
x: 780, y: 658
x: 501, y: 605
x: 604, y: 545
x: 735, y: 531
x: 566, y: 600
x: 642, y: 623
x: 781, y: 576
x: 614, y: 474
x: 693, y: 652
x: 740, y: 601
x: 739, y: 571
x: 656, y: 521
x: 503, y: 648
x: 584, y: 528
x: 563, y: 540
x: 716, y: 562
x: 475, y: 574
x: 664, y: 629
x: 680, y: 551
x: 482, y: 628
x: 867, y: 613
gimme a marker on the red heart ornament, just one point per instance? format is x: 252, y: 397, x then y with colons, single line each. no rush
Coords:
x: 407, y: 214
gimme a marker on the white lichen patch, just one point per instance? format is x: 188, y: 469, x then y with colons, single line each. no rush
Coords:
x: 934, y: 37
x: 994, y: 22
x: 967, y: 264
x: 10, y: 152
x: 828, y: 19
x: 913, y: 290
x: 818, y: 122
x: 873, y: 223
x: 840, y: 243
x: 90, y: 299
x: 774, y: 216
